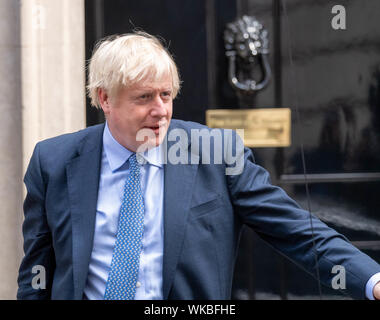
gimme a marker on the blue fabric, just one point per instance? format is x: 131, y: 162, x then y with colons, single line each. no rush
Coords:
x: 114, y: 172
x: 204, y: 212
x: 122, y: 279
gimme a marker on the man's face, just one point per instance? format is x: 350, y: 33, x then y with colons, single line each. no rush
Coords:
x: 144, y: 106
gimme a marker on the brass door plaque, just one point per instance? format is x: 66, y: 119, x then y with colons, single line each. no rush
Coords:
x: 269, y: 127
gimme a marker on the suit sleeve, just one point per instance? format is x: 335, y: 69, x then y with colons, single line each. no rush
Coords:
x: 282, y: 223
x: 37, y: 267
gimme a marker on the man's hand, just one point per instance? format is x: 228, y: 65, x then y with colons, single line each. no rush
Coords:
x: 376, y: 291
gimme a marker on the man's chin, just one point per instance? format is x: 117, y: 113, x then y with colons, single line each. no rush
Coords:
x: 150, y: 144
x: 158, y: 141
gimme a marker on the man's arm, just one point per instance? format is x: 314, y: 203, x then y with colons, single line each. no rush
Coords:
x: 37, y: 267
x: 287, y: 227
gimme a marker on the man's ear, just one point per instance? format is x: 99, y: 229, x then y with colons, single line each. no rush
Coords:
x: 104, y: 100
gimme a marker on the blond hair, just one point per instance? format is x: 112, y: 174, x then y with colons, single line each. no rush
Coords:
x: 124, y: 60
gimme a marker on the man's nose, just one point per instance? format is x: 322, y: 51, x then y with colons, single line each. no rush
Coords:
x: 158, y: 108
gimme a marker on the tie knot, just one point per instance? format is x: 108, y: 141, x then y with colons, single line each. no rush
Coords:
x: 137, y: 160
x: 133, y: 161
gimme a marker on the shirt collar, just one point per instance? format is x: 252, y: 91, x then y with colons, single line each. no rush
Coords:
x: 117, y: 155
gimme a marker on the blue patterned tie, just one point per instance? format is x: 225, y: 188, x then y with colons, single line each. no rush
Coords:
x: 121, y: 283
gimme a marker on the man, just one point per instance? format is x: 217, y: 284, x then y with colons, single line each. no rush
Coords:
x: 111, y: 213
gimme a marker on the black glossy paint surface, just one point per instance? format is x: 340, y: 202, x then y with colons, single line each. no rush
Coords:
x: 329, y: 78
x: 331, y: 81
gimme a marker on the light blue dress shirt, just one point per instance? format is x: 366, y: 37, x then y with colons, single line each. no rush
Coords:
x: 114, y: 172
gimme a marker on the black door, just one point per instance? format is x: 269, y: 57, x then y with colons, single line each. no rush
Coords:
x: 329, y: 78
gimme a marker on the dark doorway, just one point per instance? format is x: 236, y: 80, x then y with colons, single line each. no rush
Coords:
x: 329, y: 78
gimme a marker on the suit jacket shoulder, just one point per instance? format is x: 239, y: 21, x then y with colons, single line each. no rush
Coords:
x: 55, y: 152
x: 68, y: 145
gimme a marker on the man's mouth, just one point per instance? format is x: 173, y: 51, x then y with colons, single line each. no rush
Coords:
x: 153, y: 127
x: 156, y: 128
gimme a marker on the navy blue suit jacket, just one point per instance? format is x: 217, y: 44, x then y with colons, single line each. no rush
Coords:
x: 204, y: 211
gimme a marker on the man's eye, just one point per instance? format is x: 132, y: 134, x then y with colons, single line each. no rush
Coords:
x: 166, y: 94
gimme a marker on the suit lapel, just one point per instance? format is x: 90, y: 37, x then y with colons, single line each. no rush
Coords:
x: 83, y: 180
x: 179, y: 181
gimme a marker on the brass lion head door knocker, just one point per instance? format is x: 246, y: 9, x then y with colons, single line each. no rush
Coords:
x: 246, y: 45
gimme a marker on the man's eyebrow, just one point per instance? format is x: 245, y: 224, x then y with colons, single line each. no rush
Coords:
x: 152, y: 90
x: 142, y: 91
